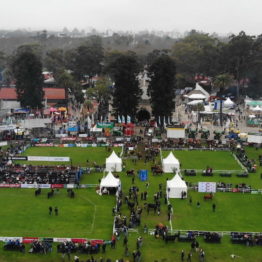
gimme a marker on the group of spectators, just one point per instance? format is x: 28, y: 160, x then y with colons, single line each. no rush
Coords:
x: 17, y: 174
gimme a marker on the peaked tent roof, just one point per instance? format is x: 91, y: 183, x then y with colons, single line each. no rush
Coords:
x: 114, y: 158
x: 200, y: 88
x: 257, y: 108
x: 197, y: 96
x: 110, y: 181
x: 176, y: 181
x: 229, y: 102
x: 170, y: 159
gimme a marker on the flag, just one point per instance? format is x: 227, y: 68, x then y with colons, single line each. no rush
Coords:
x: 119, y: 119
x: 92, y: 119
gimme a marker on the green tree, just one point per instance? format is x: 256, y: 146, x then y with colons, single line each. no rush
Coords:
x: 197, y: 53
x: 66, y: 81
x: 124, y: 70
x: 102, y: 93
x: 2, y: 60
x: 222, y: 81
x: 240, y: 55
x: 162, y: 86
x: 86, y: 60
x: 255, y: 70
x: 55, y: 62
x: 27, y: 71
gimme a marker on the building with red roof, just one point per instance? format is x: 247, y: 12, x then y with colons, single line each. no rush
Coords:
x: 52, y: 96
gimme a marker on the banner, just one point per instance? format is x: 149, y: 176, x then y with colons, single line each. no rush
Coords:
x: 60, y: 135
x: 45, y: 145
x: 79, y: 240
x: 57, y: 186
x: 18, y: 158
x: 206, y: 187
x: 69, y: 185
x: 6, y: 239
x: 105, y: 125
x: 49, y: 158
x: 60, y: 239
x: 68, y: 138
x: 82, y: 135
x: 29, y: 186
x: 29, y: 240
x: 3, y: 143
x: 44, y: 186
x: 10, y: 185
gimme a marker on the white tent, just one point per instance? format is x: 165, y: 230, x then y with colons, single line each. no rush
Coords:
x: 256, y: 109
x: 203, y: 91
x: 170, y: 163
x: 197, y: 96
x: 175, y: 187
x: 228, y: 103
x: 195, y: 102
x: 109, y: 182
x: 114, y: 163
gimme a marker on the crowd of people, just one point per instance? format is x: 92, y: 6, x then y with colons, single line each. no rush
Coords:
x: 27, y: 174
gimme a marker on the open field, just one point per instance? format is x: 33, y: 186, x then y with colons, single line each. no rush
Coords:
x: 195, y: 159
x: 235, y: 211
x: 78, y: 155
x: 87, y: 215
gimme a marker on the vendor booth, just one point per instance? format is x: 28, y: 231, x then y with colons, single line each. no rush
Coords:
x: 170, y: 164
x: 114, y: 163
x: 176, y: 187
x: 109, y: 184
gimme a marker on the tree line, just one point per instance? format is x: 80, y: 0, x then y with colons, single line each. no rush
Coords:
x: 237, y: 59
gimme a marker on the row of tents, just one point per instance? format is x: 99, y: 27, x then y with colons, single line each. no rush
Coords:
x: 175, y: 188
x: 170, y: 164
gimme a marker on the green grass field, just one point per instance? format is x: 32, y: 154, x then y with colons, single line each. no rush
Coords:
x: 218, y: 160
x: 78, y: 155
x: 22, y: 213
x: 87, y: 215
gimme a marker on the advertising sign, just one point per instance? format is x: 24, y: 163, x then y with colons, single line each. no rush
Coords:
x: 207, y: 187
x: 49, y: 158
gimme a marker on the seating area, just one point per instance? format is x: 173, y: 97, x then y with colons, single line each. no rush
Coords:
x: 247, y: 239
x: 85, y: 248
x: 242, y: 157
x: 189, y: 172
x: 38, y: 175
x: 212, y: 237
x: 14, y: 245
x: 41, y: 247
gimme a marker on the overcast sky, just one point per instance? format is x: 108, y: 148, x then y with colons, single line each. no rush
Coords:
x: 221, y: 16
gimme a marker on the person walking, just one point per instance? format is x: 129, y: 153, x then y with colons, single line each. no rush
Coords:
x: 125, y: 241
x: 50, y: 211
x: 56, y: 211
x: 189, y: 257
x: 182, y: 255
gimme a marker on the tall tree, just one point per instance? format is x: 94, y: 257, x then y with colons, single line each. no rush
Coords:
x: 86, y: 60
x: 222, y: 81
x: 27, y: 71
x: 254, y: 88
x: 197, y: 53
x: 66, y: 81
x: 55, y: 62
x: 124, y: 70
x: 240, y: 54
x: 101, y: 92
x: 162, y: 86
